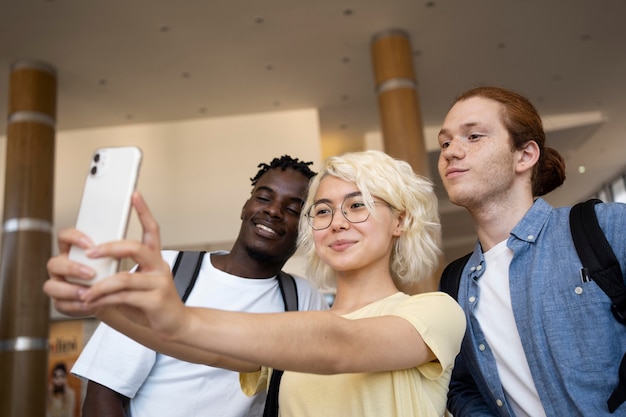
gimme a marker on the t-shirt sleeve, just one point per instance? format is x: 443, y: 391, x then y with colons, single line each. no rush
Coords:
x: 254, y: 382
x: 441, y: 323
x: 115, y: 361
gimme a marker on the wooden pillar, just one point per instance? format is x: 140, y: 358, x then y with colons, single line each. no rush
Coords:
x: 400, y: 112
x: 396, y: 87
x: 26, y: 239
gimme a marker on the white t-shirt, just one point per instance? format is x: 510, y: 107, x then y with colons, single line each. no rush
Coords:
x: 160, y: 385
x: 494, y: 311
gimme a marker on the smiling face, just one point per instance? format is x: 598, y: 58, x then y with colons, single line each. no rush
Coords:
x: 269, y: 227
x: 477, y: 163
x: 349, y: 247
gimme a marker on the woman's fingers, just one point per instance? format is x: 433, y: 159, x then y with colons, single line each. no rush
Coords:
x: 151, y: 233
x: 60, y: 267
x: 122, y: 288
x: 153, y: 294
x: 67, y: 298
x: 68, y: 237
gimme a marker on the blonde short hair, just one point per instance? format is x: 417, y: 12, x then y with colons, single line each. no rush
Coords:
x: 415, y: 254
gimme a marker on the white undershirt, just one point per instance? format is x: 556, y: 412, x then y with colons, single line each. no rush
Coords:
x: 495, y: 314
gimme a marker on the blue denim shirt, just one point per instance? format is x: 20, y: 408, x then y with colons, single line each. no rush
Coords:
x: 572, y: 342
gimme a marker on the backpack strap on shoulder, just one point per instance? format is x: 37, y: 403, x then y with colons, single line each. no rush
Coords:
x: 451, y: 276
x: 185, y: 271
x: 599, y: 261
x: 601, y: 265
x: 289, y: 291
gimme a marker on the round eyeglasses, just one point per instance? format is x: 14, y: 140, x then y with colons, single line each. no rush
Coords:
x: 320, y: 215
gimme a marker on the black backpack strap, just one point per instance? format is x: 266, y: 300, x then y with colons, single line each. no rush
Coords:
x: 599, y: 261
x: 271, y: 402
x: 185, y: 271
x: 451, y: 276
x: 289, y: 291
x: 601, y: 265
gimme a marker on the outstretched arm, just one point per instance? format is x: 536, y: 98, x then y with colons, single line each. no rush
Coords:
x: 145, y: 306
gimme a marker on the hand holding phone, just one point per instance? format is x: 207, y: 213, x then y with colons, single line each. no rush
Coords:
x: 105, y: 205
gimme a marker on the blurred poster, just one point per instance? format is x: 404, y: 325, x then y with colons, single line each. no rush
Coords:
x: 64, y: 389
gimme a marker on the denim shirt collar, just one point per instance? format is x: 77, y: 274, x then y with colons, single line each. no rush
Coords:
x: 526, y: 230
x: 532, y: 223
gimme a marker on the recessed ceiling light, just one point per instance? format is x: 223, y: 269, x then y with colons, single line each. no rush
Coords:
x: 582, y: 169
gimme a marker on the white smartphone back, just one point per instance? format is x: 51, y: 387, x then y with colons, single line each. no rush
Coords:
x: 105, y: 205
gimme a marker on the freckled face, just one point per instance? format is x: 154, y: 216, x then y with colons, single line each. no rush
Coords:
x: 477, y: 162
x: 347, y: 246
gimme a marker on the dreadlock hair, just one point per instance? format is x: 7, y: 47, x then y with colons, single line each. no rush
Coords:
x: 283, y: 163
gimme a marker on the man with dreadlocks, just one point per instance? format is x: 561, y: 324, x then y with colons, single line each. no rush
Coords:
x: 126, y: 377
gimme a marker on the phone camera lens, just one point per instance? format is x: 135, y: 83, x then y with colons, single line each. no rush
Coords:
x: 96, y: 157
x: 94, y: 169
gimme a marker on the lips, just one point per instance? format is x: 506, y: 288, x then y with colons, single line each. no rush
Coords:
x: 454, y: 172
x: 266, y: 229
x: 340, y: 245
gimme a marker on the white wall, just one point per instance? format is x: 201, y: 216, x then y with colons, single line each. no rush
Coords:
x: 195, y: 174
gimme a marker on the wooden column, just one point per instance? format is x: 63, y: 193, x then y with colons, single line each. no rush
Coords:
x: 396, y: 87
x: 26, y: 239
x: 400, y: 112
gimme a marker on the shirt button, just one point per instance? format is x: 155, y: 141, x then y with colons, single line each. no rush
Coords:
x: 479, y: 267
x: 531, y: 237
x: 473, y: 269
x: 578, y: 290
x: 499, y: 403
x: 472, y: 299
x: 481, y: 347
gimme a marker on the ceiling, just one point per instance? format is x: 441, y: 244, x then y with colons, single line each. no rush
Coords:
x: 122, y: 62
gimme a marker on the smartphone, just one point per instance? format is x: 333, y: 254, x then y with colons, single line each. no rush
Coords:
x: 105, y: 205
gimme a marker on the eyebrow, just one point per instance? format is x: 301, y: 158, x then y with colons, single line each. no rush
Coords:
x: 326, y: 200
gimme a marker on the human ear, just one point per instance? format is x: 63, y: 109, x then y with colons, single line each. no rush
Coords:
x: 399, y: 224
x: 528, y: 156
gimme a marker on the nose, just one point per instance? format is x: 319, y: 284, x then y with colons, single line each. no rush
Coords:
x: 452, y: 150
x: 274, y: 209
x: 339, y: 221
